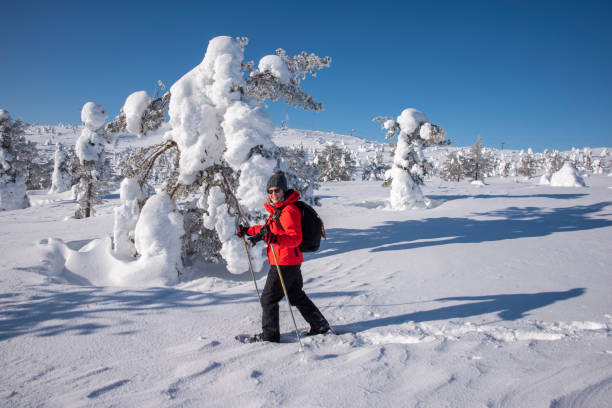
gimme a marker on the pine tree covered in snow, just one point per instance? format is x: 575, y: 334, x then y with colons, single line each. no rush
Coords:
x: 503, y: 166
x: 64, y: 168
x: 374, y: 167
x: 92, y: 158
x: 222, y: 138
x: 528, y: 164
x: 12, y: 184
x: 553, y: 162
x: 414, y: 132
x: 479, y: 162
x: 453, y: 168
x: 334, y: 164
x: 300, y: 172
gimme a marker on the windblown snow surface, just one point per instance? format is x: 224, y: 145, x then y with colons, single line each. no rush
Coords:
x: 497, y: 296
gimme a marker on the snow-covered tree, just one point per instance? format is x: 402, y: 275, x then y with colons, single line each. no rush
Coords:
x: 479, y: 162
x: 63, y: 169
x: 334, y: 163
x: 374, y: 167
x: 12, y: 184
x: 552, y: 162
x: 528, y: 164
x: 453, y: 168
x: 133, y: 197
x: 414, y: 132
x: 300, y: 171
x: 503, y: 166
x: 223, y: 141
x: 89, y: 149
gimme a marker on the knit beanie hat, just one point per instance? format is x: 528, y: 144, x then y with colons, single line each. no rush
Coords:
x: 279, y: 180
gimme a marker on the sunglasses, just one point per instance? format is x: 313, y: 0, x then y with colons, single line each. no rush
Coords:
x: 274, y: 190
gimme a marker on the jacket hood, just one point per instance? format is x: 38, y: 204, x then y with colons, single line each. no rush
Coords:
x: 292, y: 197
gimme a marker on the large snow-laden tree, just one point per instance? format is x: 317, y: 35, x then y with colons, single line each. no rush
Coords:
x: 89, y: 149
x: 414, y: 132
x: 12, y: 183
x: 223, y: 138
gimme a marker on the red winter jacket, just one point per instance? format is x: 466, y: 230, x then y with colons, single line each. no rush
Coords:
x: 290, y: 237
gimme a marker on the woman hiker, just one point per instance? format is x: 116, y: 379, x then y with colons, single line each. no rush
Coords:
x: 285, y: 239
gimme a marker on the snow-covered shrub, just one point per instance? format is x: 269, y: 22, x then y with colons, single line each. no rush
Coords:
x: 12, y: 184
x: 414, y: 132
x: 89, y: 149
x: 567, y: 177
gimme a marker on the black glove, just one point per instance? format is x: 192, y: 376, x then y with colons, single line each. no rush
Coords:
x: 242, y: 231
x: 259, y: 236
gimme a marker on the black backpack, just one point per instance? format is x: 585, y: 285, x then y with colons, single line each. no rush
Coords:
x: 312, y: 226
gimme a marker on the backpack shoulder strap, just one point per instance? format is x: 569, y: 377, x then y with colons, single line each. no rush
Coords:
x: 277, y: 214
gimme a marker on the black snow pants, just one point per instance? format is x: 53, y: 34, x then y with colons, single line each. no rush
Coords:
x: 272, y: 295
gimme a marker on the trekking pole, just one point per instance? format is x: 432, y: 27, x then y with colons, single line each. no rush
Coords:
x: 246, y: 247
x: 280, y: 275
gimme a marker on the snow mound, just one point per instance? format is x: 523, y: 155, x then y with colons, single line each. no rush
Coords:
x: 567, y: 177
x: 157, y: 237
x: 94, y: 264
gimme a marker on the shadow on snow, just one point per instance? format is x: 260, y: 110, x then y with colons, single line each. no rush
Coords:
x: 509, y: 223
x: 507, y: 307
x: 51, y: 312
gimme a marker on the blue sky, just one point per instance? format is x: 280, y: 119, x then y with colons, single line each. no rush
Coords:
x: 527, y: 73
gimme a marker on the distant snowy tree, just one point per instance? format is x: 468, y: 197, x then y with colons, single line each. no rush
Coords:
x: 586, y: 160
x: 374, y: 167
x: 12, y: 184
x: 335, y: 164
x: 301, y: 173
x: 503, y: 166
x: 528, y: 164
x: 479, y: 162
x: 414, y: 132
x: 63, y: 169
x: 453, y: 168
x: 90, y: 152
x: 552, y: 162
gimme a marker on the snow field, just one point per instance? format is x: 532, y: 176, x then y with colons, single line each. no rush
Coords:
x: 498, y: 295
